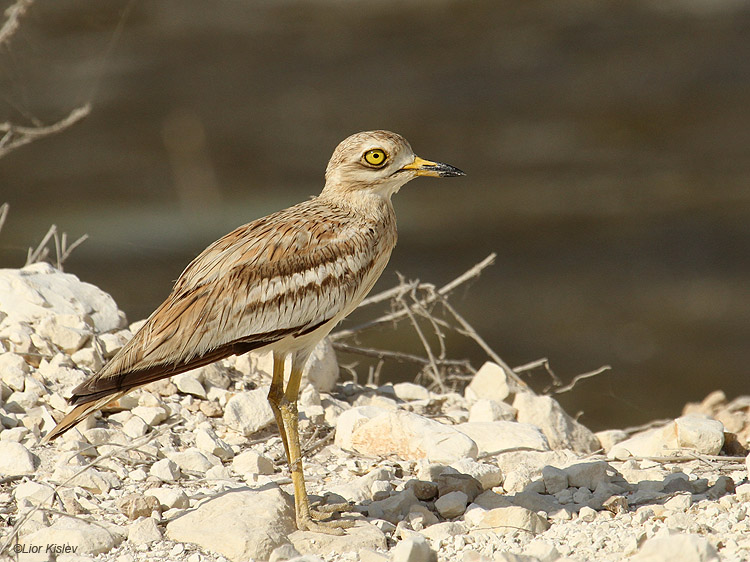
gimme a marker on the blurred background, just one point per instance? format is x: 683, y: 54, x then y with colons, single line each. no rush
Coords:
x: 606, y: 145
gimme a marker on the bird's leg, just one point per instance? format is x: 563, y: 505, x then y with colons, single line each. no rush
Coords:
x: 276, y: 396
x: 290, y: 419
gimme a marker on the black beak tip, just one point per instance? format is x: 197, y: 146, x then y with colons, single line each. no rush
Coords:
x: 450, y: 171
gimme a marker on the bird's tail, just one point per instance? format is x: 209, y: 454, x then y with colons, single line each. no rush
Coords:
x: 78, y: 414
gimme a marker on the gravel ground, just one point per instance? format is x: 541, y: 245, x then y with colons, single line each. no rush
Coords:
x: 192, y: 468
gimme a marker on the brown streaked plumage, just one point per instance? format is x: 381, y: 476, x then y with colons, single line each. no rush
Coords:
x: 281, y: 282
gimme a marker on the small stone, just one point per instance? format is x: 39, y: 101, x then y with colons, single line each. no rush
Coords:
x: 193, y: 460
x: 609, y: 438
x: 135, y: 427
x: 555, y: 479
x: 680, y: 502
x: 586, y: 514
x: 169, y: 498
x: 211, y: 409
x: 450, y: 482
x: 86, y: 538
x: 240, y: 524
x: 486, y: 410
x: 419, y: 517
x: 589, y: 474
x: 424, y: 490
x: 16, y: 459
x: 136, y: 505
x: 408, y: 391
x: 491, y: 382
x: 452, y: 504
x: 144, y: 531
x: 393, y: 508
x: 165, y: 470
x: 206, y: 440
x: 152, y: 415
x: 723, y: 485
x: 253, y: 463
x: 283, y: 552
x: 187, y: 383
x: 37, y: 493
x: 218, y: 472
x: 701, y: 434
x: 495, y: 437
x: 413, y: 549
x: 676, y: 548
x: 562, y: 431
x: 488, y: 475
x: 510, y: 519
x: 248, y: 412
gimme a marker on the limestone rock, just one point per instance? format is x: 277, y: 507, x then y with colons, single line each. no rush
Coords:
x: 152, y: 415
x: 411, y: 436
x: 252, y: 462
x: 452, y: 504
x: 413, y: 549
x: 487, y: 410
x: 499, y: 436
x: 240, y: 523
x: 677, y: 548
x: 16, y: 459
x: 169, y: 498
x: 37, y: 493
x: 193, y: 460
x: 165, y: 470
x: 510, y: 519
x: 207, y: 441
x: 187, y: 383
x: 491, y: 382
x: 144, y: 531
x: 134, y: 506
x: 488, y: 475
x: 408, y: 391
x: 704, y: 435
x: 248, y: 412
x: 86, y: 538
x: 361, y: 536
x: 562, y: 431
x: 555, y: 479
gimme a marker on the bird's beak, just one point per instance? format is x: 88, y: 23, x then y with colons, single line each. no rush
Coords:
x: 435, y: 169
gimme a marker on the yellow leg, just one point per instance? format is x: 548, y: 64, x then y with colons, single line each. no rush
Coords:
x: 276, y: 396
x: 290, y: 421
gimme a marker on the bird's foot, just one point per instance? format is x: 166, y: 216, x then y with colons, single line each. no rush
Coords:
x: 322, y: 519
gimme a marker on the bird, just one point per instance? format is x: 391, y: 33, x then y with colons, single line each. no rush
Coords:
x: 279, y: 283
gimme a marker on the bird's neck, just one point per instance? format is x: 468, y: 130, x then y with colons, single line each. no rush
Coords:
x: 367, y: 205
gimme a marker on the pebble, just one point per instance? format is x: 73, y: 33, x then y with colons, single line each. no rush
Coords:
x: 248, y: 412
x: 252, y: 462
x: 452, y: 504
x: 489, y: 382
x: 413, y: 549
x: 165, y: 470
x: 144, y: 531
x: 16, y: 459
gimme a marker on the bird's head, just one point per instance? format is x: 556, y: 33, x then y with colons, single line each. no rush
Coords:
x: 378, y: 162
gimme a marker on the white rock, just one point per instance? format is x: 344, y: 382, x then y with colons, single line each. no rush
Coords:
x: 510, y: 519
x: 187, y: 383
x: 677, y: 548
x: 135, y: 427
x: 21, y: 402
x: 165, y: 470
x: 452, y: 504
x: 192, y: 460
x: 499, y: 436
x: 408, y: 391
x: 413, y: 549
x: 240, y: 524
x: 13, y: 370
x: 351, y: 420
x: 69, y: 332
x: 169, y: 497
x: 587, y: 514
x: 144, y: 530
x: 84, y: 537
x: 38, y: 493
x: 207, y: 441
x: 486, y: 410
x: 251, y: 462
x: 16, y: 459
x: 488, y: 475
x: 88, y: 357
x: 152, y: 415
x: 562, y: 431
x: 111, y: 343
x: 589, y: 474
x: 99, y: 482
x: 609, y: 438
x: 411, y: 436
x: 248, y: 412
x: 218, y: 472
x: 357, y: 538
x: 701, y: 434
x: 490, y: 381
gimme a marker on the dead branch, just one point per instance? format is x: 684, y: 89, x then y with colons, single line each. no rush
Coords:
x: 62, y: 249
x: 13, y: 14
x: 396, y: 315
x: 400, y: 356
x: 3, y: 214
x: 15, y: 136
x: 581, y: 377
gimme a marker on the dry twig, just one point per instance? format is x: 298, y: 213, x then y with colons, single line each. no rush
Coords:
x: 15, y: 136
x: 13, y: 15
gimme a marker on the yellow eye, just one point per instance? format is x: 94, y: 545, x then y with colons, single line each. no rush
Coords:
x: 375, y: 157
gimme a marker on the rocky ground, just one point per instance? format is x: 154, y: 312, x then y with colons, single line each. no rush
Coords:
x: 192, y: 469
